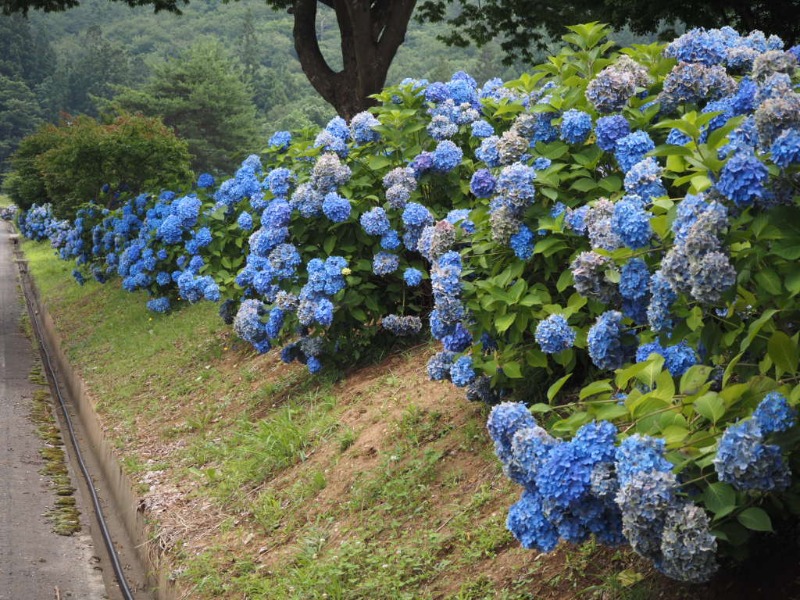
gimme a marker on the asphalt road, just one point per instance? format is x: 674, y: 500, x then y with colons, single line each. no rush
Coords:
x: 35, y: 563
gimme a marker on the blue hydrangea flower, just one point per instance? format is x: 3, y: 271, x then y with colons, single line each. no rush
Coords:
x: 459, y: 340
x: 412, y: 277
x: 279, y: 181
x: 679, y: 358
x: 385, y: 263
x: 522, y: 243
x: 554, y: 334
x: 481, y: 129
x: 390, y: 240
x: 631, y: 222
x: 576, y: 126
x: 402, y: 326
x: 786, y: 148
x: 488, y: 152
x: 634, y: 282
x: 439, y: 365
x: 609, y: 129
x: 375, y: 221
x: 687, y: 546
x: 747, y: 463
x: 362, y: 128
x: 774, y: 414
x: 632, y: 148
x: 280, y: 140
x: 447, y: 156
x: 526, y: 521
x: 662, y: 296
x: 504, y: 421
x: 159, y: 305
x: 416, y: 215
x: 205, y: 181
x: 482, y: 183
x: 742, y: 178
x: 336, y: 208
x: 700, y: 46
x: 605, y: 341
x: 644, y: 180
x: 245, y: 221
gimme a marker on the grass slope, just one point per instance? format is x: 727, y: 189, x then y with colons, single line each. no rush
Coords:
x: 260, y: 481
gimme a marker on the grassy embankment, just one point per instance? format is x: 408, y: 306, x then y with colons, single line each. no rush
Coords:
x: 263, y: 482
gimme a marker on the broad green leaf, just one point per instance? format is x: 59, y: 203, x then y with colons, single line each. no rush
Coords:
x: 504, y: 322
x: 540, y: 408
x: 594, y: 388
x: 769, y: 281
x: 783, y: 352
x: 329, y: 244
x: 665, y: 386
x: 711, y: 406
x: 554, y: 389
x: 694, y: 378
x: 755, y: 328
x: 720, y: 498
x: 755, y: 518
x: 608, y: 411
x: 512, y: 369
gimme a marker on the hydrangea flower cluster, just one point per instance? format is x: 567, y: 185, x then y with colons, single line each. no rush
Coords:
x: 590, y: 486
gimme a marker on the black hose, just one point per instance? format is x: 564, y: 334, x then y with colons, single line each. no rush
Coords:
x: 112, y: 552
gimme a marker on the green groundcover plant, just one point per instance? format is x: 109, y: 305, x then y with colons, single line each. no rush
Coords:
x: 605, y: 248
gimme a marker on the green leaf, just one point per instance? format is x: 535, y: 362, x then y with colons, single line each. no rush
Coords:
x: 755, y: 518
x: 584, y: 185
x: 540, y: 408
x: 720, y: 498
x: 665, y: 386
x: 611, y: 183
x: 694, y: 378
x: 553, y: 389
x: 512, y: 370
x: 783, y: 352
x: 755, y: 327
x: 769, y: 281
x: 504, y: 322
x: 711, y: 406
x: 594, y: 388
x: 609, y: 412
x: 695, y: 319
x: 329, y: 244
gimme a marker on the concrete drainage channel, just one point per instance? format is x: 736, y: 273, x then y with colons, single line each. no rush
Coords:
x: 130, y: 562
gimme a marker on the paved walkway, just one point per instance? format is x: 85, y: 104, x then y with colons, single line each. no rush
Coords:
x: 35, y: 563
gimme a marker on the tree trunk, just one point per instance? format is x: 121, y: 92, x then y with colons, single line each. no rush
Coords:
x: 371, y: 32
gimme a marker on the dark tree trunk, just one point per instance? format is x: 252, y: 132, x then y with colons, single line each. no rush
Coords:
x: 371, y: 32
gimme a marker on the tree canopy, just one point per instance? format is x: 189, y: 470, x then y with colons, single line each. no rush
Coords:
x: 523, y: 24
x: 204, y: 97
x: 371, y: 31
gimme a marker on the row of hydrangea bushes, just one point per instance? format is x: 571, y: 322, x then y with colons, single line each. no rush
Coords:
x: 605, y: 248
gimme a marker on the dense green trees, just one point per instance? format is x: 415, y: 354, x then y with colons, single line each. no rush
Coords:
x: 71, y: 163
x: 202, y: 94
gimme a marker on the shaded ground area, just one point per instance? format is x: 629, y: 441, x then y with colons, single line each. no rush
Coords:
x: 35, y: 563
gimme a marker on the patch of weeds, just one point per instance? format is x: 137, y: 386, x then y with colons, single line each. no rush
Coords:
x: 64, y: 516
x: 347, y: 439
x: 420, y: 426
x: 255, y: 451
x: 362, y: 568
x: 397, y: 486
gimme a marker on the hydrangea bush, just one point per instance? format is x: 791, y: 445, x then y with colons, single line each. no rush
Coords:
x: 607, y: 243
